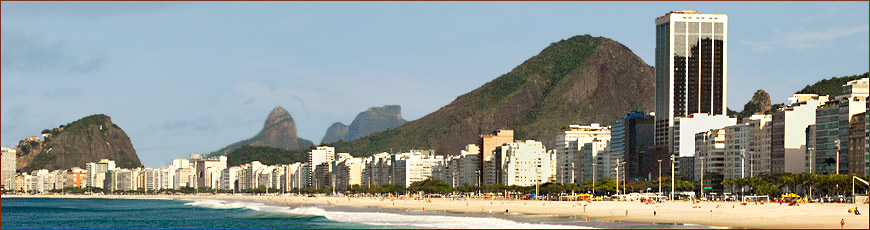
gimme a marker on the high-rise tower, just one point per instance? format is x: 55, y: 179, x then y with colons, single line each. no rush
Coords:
x: 691, y: 68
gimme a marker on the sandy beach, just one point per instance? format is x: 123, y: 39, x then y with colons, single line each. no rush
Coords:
x: 714, y: 214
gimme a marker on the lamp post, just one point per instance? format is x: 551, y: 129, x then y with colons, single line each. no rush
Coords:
x: 660, y: 176
x: 673, y: 182
x: 593, y: 179
x: 702, y: 177
x: 624, y: 176
x: 812, y: 158
x: 742, y: 169
x: 617, y: 179
x: 837, y: 156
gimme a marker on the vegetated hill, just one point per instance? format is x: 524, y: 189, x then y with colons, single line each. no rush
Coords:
x: 73, y: 145
x: 580, y: 80
x: 266, y: 155
x: 833, y: 86
x: 759, y: 104
x: 374, y: 119
x: 279, y: 131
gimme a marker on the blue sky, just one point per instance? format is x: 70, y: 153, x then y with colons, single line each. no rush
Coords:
x: 183, y: 77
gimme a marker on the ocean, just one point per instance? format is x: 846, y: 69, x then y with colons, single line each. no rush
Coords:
x: 98, y: 213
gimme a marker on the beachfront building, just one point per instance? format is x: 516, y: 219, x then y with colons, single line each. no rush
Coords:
x: 852, y: 101
x: 97, y: 172
x: 568, y: 155
x: 631, y: 140
x: 488, y: 144
x: 122, y: 180
x: 348, y: 173
x: 295, y: 176
x: 788, y: 133
x: 524, y: 163
x: 821, y: 138
x: 691, y: 73
x: 594, y: 160
x: 413, y: 167
x: 8, y: 163
x: 378, y: 170
x: 230, y: 178
x: 710, y: 158
x: 319, y: 159
x: 684, y: 147
x: 744, y: 145
x: 208, y: 171
x: 76, y: 178
x: 859, y: 158
x: 466, y: 168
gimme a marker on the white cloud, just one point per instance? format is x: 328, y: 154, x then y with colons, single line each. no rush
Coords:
x: 803, y: 39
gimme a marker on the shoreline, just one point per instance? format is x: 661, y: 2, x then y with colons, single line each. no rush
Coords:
x: 710, y: 214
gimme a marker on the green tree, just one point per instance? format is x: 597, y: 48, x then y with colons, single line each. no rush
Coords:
x: 430, y: 186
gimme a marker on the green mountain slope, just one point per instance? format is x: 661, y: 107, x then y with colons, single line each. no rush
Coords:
x: 832, y: 86
x: 579, y: 80
x: 73, y: 145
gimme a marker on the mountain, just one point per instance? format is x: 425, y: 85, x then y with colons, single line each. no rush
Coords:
x: 760, y: 103
x: 336, y: 132
x: 73, y: 145
x: 279, y: 131
x: 832, y: 86
x: 580, y: 80
x: 375, y: 119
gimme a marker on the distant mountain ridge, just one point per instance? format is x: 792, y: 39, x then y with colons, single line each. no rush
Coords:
x: 86, y: 140
x: 579, y: 80
x: 375, y: 119
x: 279, y: 131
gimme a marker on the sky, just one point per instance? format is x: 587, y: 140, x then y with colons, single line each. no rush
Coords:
x: 192, y: 77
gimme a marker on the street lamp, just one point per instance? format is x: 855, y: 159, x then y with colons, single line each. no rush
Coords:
x: 837, y: 143
x: 702, y: 177
x: 624, y: 176
x: 742, y: 169
x: 593, y: 179
x: 617, y: 179
x: 660, y: 176
x: 812, y: 157
x: 673, y: 188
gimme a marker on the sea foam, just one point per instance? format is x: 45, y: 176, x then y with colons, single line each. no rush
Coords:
x: 381, y: 218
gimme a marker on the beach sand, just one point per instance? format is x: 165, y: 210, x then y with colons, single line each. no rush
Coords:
x: 714, y: 214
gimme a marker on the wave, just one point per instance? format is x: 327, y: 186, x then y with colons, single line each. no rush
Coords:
x: 376, y: 218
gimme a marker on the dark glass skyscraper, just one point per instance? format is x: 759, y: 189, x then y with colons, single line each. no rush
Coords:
x: 691, y: 68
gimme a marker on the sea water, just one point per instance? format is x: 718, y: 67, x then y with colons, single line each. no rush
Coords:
x: 98, y: 213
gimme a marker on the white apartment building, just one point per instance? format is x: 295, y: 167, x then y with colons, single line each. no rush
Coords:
x: 8, y: 159
x: 316, y: 158
x: 568, y: 144
x: 788, y: 133
x: 97, y: 172
x: 595, y: 160
x: 348, y: 173
x: 525, y: 163
x: 684, y: 131
x: 185, y: 178
x: 378, y: 170
x: 208, y: 171
x: 747, y: 146
x: 230, y: 179
x: 413, y: 167
x: 710, y: 159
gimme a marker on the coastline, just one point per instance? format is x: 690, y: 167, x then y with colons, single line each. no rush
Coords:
x: 711, y: 214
